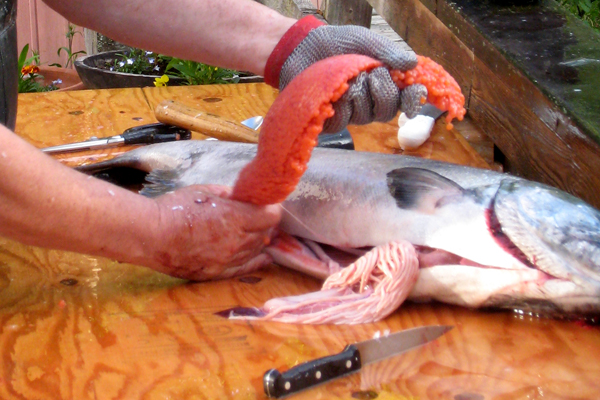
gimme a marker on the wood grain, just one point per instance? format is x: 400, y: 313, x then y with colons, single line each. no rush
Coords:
x: 347, y: 12
x: 52, y: 118
x: 539, y: 141
x: 234, y: 102
x: 80, y: 327
x: 238, y: 102
x: 87, y: 328
x: 562, y: 159
x: 183, y: 116
x: 443, y: 145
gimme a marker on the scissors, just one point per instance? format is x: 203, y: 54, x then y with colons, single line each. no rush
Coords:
x: 144, y: 134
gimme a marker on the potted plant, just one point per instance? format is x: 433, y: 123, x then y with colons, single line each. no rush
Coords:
x: 67, y: 75
x: 139, y: 68
x: 36, y: 78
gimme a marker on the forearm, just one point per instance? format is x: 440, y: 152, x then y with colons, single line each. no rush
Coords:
x: 238, y: 34
x: 46, y: 204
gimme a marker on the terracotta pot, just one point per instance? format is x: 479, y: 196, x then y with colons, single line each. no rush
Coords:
x: 69, y: 78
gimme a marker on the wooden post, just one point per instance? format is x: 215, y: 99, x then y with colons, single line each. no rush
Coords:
x: 347, y: 12
x: 91, y: 41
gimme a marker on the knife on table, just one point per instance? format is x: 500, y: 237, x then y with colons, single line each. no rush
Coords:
x: 175, y: 113
x: 144, y: 134
x: 350, y: 360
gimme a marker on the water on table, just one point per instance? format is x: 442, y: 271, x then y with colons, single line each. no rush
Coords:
x: 78, y: 327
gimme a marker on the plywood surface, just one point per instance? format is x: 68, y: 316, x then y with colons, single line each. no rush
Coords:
x: 78, y: 327
x: 87, y: 328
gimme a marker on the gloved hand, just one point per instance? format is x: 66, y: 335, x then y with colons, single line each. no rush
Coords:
x: 372, y: 96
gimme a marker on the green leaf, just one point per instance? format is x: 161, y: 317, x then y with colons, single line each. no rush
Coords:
x: 23, y: 56
x: 585, y: 5
x: 60, y: 49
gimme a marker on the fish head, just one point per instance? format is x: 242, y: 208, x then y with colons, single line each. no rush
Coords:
x: 557, y: 232
x: 501, y: 242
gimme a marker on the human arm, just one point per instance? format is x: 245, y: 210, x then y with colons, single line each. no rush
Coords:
x: 237, y: 34
x: 44, y: 203
x: 245, y: 35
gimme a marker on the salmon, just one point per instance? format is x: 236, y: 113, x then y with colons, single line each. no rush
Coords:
x: 482, y: 239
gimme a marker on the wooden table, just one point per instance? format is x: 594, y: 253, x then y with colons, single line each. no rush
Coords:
x: 79, y: 327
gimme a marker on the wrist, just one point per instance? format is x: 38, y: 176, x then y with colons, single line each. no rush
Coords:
x: 286, y: 45
x: 140, y: 236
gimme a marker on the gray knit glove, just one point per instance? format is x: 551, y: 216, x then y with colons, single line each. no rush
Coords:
x: 372, y: 96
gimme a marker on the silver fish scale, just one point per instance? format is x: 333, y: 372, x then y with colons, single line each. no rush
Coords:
x: 344, y: 200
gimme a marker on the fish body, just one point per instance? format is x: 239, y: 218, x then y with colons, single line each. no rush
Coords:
x: 506, y: 242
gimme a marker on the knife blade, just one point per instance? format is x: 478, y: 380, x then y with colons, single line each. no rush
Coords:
x: 350, y: 360
x: 175, y: 113
x: 338, y: 140
x: 143, y: 134
x: 343, y: 139
x: 413, y: 132
x: 429, y: 110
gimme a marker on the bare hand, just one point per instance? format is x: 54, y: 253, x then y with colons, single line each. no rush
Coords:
x: 204, y: 235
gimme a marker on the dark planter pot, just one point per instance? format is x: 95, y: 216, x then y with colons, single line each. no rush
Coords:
x: 95, y: 77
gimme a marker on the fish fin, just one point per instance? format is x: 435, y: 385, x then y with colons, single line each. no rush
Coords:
x: 421, y: 189
x: 160, y: 181
x: 125, y: 172
x: 288, y: 251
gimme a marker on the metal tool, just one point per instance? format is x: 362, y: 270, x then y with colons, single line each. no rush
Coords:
x: 253, y: 122
x: 144, y: 134
x: 339, y: 140
x: 429, y: 110
x: 175, y: 113
x: 350, y: 360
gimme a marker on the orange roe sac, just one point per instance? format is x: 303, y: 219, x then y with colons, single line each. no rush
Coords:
x: 442, y: 90
x: 291, y: 128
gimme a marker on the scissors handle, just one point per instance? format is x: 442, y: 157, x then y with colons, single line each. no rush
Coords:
x: 155, y: 133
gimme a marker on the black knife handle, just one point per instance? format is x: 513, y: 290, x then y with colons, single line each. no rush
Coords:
x: 339, y: 140
x: 311, y: 373
x: 155, y: 133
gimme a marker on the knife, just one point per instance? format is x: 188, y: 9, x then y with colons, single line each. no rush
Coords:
x: 144, y: 134
x: 429, y: 110
x: 338, y: 140
x: 175, y: 113
x: 350, y: 360
x: 413, y: 132
x: 343, y: 139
